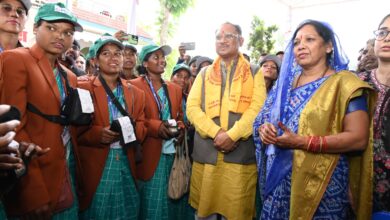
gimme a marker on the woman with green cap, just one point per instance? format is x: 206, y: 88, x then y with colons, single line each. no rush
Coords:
x: 163, y: 115
x: 181, y: 74
x: 108, y: 189
x: 34, y: 79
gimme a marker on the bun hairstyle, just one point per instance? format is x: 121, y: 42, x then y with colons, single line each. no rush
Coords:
x: 140, y: 68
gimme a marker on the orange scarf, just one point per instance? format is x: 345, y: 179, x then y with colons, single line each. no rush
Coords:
x: 239, y: 98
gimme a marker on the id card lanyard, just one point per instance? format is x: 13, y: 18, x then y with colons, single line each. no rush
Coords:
x: 113, y: 109
x: 159, y: 103
x: 65, y: 136
x: 60, y: 84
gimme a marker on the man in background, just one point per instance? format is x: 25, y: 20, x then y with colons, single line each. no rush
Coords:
x: 182, y: 54
x: 70, y: 57
x: 80, y: 62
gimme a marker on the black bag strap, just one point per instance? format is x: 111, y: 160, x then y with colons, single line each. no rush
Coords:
x: 58, y: 119
x: 113, y: 97
x: 165, y: 87
x: 65, y: 76
x: 53, y: 118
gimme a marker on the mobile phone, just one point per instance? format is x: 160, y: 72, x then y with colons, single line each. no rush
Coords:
x: 132, y: 39
x: 115, y: 126
x: 188, y: 45
x: 12, y: 114
x: 173, y: 128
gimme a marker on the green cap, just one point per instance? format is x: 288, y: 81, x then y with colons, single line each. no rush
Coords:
x: 130, y: 46
x: 152, y: 48
x: 105, y: 39
x: 57, y: 11
x: 92, y: 50
x: 180, y: 66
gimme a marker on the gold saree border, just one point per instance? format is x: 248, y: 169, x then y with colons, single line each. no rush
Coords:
x: 311, y: 173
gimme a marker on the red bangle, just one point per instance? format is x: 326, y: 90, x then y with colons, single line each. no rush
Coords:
x: 315, y: 144
x: 308, y: 142
x: 324, y: 144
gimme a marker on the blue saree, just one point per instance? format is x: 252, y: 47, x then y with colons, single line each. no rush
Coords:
x: 275, y: 164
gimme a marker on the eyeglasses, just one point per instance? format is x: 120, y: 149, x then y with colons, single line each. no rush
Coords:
x: 381, y: 34
x: 226, y: 36
x: 7, y: 8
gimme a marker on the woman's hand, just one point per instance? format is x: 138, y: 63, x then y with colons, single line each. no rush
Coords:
x: 31, y: 150
x: 267, y: 132
x: 121, y: 36
x: 7, y: 134
x: 289, y: 139
x: 9, y: 162
x: 180, y: 138
x: 163, y: 131
x: 83, y: 78
x: 108, y: 136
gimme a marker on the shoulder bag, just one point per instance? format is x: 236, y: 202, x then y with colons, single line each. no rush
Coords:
x: 179, y: 179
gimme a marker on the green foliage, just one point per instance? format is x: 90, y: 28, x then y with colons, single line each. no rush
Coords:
x: 176, y: 7
x: 261, y: 38
x: 170, y: 10
x: 173, y: 23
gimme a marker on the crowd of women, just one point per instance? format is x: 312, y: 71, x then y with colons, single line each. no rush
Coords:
x: 313, y: 144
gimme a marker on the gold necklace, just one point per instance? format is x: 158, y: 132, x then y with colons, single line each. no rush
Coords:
x: 299, y: 77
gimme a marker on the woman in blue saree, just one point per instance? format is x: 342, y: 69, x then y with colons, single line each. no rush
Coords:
x: 312, y: 136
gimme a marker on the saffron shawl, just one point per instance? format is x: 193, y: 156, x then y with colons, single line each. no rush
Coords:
x: 239, y: 98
